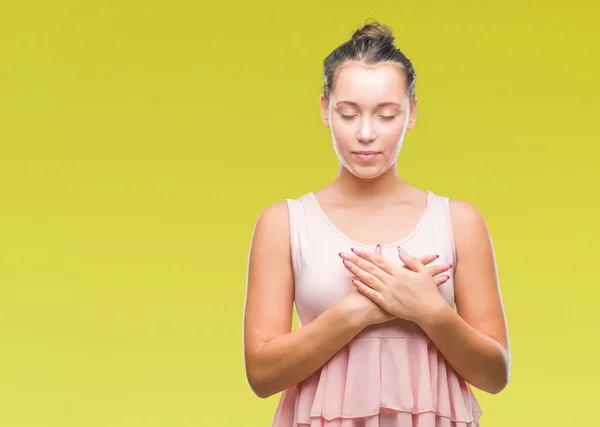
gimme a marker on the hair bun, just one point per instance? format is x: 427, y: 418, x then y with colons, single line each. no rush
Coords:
x: 373, y: 30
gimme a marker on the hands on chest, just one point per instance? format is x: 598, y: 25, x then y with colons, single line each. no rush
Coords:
x: 408, y: 291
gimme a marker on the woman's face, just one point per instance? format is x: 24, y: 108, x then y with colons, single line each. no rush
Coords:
x: 368, y: 113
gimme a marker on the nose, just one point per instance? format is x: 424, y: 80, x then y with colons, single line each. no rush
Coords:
x: 366, y: 133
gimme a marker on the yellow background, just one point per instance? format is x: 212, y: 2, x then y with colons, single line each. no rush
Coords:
x: 139, y: 140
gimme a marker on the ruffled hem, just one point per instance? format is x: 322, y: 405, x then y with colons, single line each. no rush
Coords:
x: 381, y: 382
x: 393, y: 419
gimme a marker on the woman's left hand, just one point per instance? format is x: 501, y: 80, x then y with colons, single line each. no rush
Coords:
x: 408, y: 293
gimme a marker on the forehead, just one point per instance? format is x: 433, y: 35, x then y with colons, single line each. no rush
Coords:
x: 370, y: 83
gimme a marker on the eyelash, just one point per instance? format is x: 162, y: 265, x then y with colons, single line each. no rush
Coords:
x: 386, y: 118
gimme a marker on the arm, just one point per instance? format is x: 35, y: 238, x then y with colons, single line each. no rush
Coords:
x: 275, y: 357
x: 474, y: 340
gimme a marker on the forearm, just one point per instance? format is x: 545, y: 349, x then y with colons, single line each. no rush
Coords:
x: 477, y: 358
x: 289, y: 359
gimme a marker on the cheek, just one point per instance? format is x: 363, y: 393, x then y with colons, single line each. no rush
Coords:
x: 342, y: 133
x: 393, y: 133
x: 396, y: 133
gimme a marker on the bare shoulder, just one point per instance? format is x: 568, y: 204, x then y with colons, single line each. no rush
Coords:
x: 273, y: 222
x: 270, y: 247
x: 466, y: 217
x: 474, y: 248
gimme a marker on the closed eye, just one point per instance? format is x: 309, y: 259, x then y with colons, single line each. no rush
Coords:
x: 388, y: 117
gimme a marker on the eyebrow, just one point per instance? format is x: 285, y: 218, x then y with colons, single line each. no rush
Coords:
x: 381, y: 104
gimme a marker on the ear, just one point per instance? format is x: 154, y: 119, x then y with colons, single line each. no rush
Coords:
x: 413, y: 115
x: 324, y: 111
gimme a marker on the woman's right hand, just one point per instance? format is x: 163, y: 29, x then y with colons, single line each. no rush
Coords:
x: 365, y: 312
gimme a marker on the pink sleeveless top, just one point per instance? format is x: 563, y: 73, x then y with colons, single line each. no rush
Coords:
x: 390, y: 375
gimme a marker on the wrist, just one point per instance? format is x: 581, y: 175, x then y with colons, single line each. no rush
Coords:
x: 435, y: 315
x: 356, y: 319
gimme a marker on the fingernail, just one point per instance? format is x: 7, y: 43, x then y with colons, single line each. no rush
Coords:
x: 378, y: 249
x: 356, y: 251
x: 344, y: 255
x: 436, y: 256
x: 449, y: 265
x: 402, y: 251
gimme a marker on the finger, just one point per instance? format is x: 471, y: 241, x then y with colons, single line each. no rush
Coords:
x: 375, y: 258
x: 413, y: 263
x: 365, y: 264
x: 369, y: 292
x: 440, y: 280
x: 437, y: 269
x: 427, y: 259
x: 365, y: 277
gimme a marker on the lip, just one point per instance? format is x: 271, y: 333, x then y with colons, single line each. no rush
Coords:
x: 366, y: 152
x: 366, y: 156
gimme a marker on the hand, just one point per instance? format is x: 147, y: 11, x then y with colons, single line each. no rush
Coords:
x: 367, y: 312
x: 363, y: 312
x: 409, y: 292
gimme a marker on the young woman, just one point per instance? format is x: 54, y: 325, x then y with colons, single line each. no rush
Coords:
x: 375, y: 267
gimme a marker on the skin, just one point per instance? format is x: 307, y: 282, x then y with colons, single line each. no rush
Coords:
x: 365, y: 201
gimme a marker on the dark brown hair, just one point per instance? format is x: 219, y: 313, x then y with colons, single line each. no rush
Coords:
x: 371, y: 44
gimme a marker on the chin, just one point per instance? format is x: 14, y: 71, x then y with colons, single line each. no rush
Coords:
x: 366, y: 172
x: 368, y: 177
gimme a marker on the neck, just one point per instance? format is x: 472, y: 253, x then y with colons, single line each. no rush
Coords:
x: 384, y: 187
